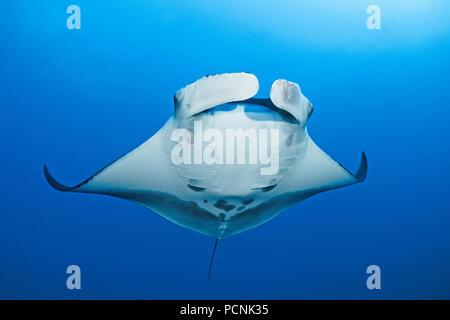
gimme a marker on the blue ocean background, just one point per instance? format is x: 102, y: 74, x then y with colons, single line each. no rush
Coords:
x: 78, y: 99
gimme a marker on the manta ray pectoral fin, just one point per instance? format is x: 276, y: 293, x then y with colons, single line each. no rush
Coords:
x: 214, y: 90
x: 141, y: 170
x: 318, y: 172
x: 287, y: 96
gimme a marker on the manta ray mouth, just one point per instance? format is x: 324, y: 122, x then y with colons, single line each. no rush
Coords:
x: 255, y: 105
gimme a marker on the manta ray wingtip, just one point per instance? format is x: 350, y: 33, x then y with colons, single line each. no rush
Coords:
x: 53, y: 182
x: 361, y: 174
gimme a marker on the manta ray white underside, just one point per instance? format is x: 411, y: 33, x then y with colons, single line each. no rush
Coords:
x: 221, y: 200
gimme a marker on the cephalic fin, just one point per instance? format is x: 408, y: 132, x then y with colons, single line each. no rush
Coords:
x: 214, y: 90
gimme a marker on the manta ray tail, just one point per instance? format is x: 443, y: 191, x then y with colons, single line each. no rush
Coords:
x: 212, y: 258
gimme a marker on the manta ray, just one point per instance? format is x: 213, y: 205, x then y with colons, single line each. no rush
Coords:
x: 221, y: 198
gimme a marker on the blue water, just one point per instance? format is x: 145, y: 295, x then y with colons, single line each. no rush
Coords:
x: 78, y: 99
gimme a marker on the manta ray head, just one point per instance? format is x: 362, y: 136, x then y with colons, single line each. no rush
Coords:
x: 237, y: 148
